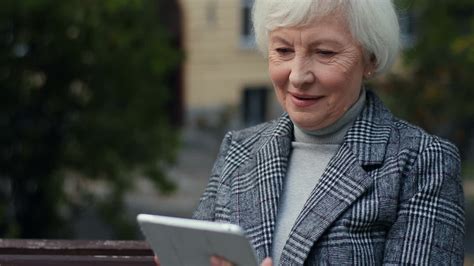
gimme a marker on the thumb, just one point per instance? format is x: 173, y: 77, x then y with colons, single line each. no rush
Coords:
x: 267, y: 262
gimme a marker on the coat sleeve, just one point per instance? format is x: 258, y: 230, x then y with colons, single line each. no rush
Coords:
x: 206, y: 207
x: 429, y: 228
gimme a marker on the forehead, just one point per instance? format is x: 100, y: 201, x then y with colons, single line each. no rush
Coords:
x: 329, y: 29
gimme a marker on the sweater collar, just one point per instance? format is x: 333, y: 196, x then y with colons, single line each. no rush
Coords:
x: 368, y: 135
x: 334, y: 133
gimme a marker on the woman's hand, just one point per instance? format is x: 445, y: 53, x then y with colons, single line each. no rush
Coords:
x: 267, y: 262
x: 218, y: 261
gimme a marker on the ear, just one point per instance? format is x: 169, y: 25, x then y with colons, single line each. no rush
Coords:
x: 370, y: 67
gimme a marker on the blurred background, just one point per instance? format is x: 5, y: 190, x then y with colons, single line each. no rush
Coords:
x: 116, y: 107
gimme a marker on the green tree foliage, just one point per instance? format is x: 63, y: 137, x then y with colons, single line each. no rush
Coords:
x: 435, y: 89
x: 83, y: 97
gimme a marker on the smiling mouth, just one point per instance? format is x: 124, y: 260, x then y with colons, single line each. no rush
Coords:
x: 307, y: 97
x: 304, y: 100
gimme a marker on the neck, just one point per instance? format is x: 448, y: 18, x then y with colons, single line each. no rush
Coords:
x: 334, y: 133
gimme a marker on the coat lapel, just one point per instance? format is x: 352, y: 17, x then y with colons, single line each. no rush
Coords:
x: 267, y: 169
x: 344, y: 180
x: 272, y: 163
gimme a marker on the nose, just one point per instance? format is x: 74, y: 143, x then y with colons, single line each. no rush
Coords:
x: 301, y: 73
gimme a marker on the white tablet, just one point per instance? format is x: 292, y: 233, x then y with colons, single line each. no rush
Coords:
x: 178, y: 241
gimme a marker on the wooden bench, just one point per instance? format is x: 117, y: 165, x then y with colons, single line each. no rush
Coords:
x: 74, y: 252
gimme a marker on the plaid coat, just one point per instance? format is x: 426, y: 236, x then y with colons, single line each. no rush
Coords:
x: 390, y: 195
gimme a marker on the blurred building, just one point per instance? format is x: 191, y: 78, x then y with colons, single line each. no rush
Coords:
x: 225, y: 80
x: 222, y: 84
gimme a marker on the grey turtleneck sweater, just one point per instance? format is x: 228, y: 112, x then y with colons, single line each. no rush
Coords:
x: 311, y: 152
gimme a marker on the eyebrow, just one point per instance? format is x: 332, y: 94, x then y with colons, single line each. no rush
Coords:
x: 325, y: 41
x: 311, y: 44
x: 280, y: 39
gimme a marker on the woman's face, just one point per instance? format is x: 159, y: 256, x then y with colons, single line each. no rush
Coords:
x: 316, y: 70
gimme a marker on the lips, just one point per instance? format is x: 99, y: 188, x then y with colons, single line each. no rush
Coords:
x: 301, y: 100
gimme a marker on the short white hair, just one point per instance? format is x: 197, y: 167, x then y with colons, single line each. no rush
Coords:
x: 373, y: 23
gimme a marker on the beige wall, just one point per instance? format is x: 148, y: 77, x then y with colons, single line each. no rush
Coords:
x: 216, y: 66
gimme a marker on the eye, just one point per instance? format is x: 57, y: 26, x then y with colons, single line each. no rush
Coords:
x: 283, y: 50
x: 325, y: 53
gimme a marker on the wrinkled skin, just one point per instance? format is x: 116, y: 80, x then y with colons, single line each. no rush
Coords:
x: 317, y: 71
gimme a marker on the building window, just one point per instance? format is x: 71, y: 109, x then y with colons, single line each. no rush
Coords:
x: 247, y: 37
x: 254, y: 105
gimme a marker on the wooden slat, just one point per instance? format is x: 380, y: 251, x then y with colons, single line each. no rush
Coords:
x: 74, y: 252
x: 52, y: 260
x: 74, y: 247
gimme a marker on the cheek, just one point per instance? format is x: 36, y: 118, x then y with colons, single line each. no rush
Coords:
x: 340, y: 85
x: 332, y: 77
x: 345, y: 91
x: 279, y: 75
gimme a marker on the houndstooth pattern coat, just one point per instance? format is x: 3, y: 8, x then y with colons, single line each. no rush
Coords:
x: 391, y: 194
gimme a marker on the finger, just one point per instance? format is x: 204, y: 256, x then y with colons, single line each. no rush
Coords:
x: 226, y: 263
x: 219, y: 261
x: 215, y: 261
x: 267, y: 262
x: 157, y: 261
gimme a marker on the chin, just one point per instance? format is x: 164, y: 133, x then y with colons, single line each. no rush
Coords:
x: 306, y: 123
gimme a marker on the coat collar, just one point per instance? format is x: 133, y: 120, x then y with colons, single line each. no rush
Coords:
x: 367, y: 138
x: 342, y: 182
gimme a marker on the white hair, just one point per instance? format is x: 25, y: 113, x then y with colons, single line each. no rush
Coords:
x: 373, y: 23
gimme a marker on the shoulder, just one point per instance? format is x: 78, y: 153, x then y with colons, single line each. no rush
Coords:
x: 259, y: 133
x: 420, y: 167
x: 403, y: 134
x: 422, y: 158
x: 405, y: 145
x: 265, y: 129
x: 414, y: 138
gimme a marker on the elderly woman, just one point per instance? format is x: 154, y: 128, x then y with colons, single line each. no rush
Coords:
x: 337, y: 179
